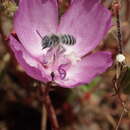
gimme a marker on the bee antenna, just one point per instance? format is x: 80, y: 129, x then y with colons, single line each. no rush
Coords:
x: 39, y: 34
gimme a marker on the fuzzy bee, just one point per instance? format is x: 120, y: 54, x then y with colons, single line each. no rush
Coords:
x: 54, y: 40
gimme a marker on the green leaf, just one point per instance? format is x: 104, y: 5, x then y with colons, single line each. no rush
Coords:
x: 87, y: 88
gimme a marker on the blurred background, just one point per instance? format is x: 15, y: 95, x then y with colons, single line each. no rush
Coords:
x: 90, y: 107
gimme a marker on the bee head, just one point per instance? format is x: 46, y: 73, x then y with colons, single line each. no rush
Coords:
x: 45, y: 42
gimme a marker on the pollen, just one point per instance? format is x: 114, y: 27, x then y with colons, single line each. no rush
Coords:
x: 74, y: 57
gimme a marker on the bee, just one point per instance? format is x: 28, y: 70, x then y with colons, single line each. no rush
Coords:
x: 54, y: 40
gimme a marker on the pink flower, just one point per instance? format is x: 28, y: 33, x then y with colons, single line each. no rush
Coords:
x: 87, y: 21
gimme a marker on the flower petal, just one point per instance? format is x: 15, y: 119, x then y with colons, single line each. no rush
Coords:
x: 33, y: 16
x: 87, y: 69
x: 29, y: 64
x: 88, y: 21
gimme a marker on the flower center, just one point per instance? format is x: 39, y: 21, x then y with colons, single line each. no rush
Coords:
x: 55, y: 60
x: 59, y: 63
x: 74, y: 58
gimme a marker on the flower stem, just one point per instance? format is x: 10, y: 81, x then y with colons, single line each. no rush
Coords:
x: 49, y: 107
x: 44, y: 118
x: 119, y: 32
x: 117, y: 6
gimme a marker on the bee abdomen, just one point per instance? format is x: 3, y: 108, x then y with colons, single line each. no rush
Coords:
x: 68, y: 39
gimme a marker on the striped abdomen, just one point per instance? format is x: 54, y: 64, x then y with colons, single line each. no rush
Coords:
x: 67, y: 39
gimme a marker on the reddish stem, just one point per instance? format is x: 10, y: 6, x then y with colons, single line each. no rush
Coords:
x: 49, y: 107
x: 127, y: 9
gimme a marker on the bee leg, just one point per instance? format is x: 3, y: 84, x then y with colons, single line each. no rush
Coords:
x: 44, y: 46
x: 61, y: 49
